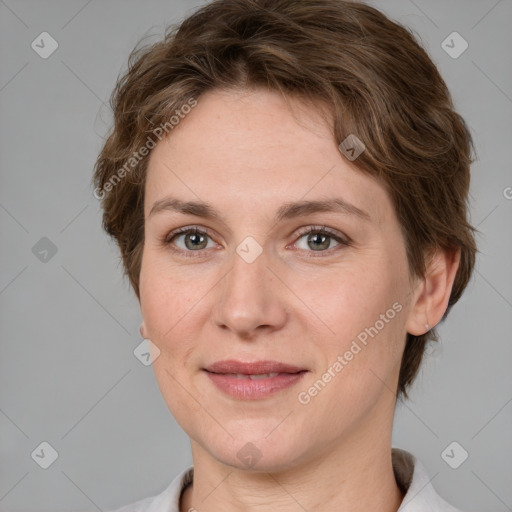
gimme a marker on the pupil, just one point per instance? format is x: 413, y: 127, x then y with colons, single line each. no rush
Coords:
x: 195, y: 239
x: 322, y: 241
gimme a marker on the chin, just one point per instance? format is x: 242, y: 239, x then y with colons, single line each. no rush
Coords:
x: 258, y: 449
x: 253, y: 460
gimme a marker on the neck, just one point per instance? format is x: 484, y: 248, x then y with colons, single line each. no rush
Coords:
x: 351, y: 476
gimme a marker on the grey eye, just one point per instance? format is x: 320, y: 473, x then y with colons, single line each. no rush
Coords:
x: 318, y: 241
x: 193, y: 240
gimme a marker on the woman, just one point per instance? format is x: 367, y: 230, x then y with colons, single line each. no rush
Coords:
x: 287, y: 182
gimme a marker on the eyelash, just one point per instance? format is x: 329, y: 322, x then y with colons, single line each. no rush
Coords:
x: 321, y: 230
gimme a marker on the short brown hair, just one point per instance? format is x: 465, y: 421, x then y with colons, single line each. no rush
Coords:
x: 379, y: 82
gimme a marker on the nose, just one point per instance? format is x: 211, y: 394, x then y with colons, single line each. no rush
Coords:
x: 250, y: 298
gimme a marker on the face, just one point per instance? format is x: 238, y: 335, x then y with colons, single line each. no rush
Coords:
x: 265, y: 273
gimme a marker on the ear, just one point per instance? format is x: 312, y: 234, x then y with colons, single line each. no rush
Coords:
x: 143, y: 331
x: 431, y: 296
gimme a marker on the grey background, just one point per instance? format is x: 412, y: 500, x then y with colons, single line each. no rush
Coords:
x: 69, y: 325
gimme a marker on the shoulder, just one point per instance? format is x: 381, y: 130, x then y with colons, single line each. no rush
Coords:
x: 137, y: 506
x: 413, y: 479
x: 167, y: 500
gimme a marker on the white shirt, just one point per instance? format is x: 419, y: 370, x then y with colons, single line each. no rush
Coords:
x: 410, y: 474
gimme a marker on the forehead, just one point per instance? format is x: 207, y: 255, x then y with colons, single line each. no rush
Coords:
x: 237, y: 147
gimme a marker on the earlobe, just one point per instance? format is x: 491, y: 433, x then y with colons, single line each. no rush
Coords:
x: 142, y: 330
x: 433, y: 292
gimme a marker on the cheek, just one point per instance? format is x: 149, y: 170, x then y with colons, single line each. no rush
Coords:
x: 350, y: 299
x: 361, y: 359
x: 365, y: 311
x: 167, y: 297
x: 173, y: 306
x: 167, y: 306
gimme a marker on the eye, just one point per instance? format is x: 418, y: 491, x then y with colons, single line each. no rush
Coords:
x: 188, y: 240
x: 319, y: 239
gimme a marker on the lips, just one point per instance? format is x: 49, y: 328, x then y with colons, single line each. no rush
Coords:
x: 253, y: 381
x: 256, y: 369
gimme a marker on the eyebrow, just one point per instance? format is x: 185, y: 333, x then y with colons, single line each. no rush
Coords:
x: 287, y: 211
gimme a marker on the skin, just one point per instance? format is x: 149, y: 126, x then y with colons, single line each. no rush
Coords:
x: 247, y: 152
